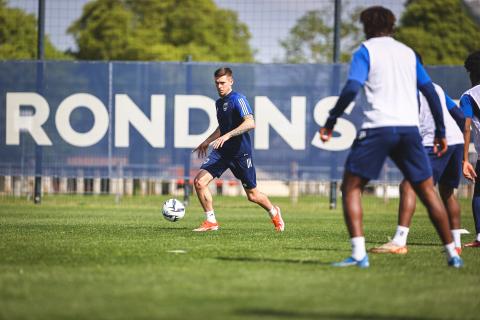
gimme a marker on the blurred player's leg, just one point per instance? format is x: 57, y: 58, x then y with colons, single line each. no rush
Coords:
x: 352, y: 188
x: 406, y: 209
x: 476, y: 209
x: 438, y: 215
x: 453, y: 210
x: 201, y: 183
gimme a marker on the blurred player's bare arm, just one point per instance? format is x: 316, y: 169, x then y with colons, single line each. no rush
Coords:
x: 468, y: 169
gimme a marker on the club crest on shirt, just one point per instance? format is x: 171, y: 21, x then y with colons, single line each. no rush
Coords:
x: 225, y: 106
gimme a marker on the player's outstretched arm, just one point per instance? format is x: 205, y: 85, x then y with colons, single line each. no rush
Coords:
x: 357, y: 75
x: 347, y: 95
x: 203, y: 147
x: 456, y: 113
x: 468, y: 169
x: 247, y: 124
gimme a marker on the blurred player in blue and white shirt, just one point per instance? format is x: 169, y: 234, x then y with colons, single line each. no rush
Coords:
x: 391, y: 75
x: 447, y: 171
x: 232, y: 149
x: 470, y: 104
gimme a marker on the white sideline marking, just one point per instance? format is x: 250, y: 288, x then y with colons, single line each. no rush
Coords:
x: 177, y: 251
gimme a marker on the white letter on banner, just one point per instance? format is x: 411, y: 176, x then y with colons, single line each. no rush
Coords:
x: 344, y: 127
x: 127, y: 112
x: 183, y: 104
x: 15, y: 121
x: 266, y: 115
x: 100, y: 122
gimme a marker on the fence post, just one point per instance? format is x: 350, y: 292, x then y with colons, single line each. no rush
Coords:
x: 186, y: 166
x: 337, y: 30
x: 294, y: 187
x: 333, y: 195
x: 37, y: 193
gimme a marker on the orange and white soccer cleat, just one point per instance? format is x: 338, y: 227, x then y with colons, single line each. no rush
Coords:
x: 390, y: 247
x: 278, y: 221
x: 207, y: 226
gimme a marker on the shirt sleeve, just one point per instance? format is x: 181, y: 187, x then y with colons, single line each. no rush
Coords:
x: 242, y: 106
x: 450, y: 103
x: 466, y: 106
x: 360, y: 65
x: 422, y: 75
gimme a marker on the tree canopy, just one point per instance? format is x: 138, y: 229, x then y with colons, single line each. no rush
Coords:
x: 442, y: 31
x: 18, y: 36
x: 311, y: 39
x: 167, y: 30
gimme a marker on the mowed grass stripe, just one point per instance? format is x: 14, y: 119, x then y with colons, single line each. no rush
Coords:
x: 89, y: 258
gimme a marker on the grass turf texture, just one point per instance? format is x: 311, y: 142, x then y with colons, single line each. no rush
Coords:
x: 88, y: 258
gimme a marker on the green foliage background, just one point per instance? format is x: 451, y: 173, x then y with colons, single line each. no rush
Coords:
x: 167, y: 30
x: 18, y: 36
x: 442, y: 31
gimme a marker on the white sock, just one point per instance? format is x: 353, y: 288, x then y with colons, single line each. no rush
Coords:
x: 272, y: 212
x: 400, y: 238
x: 358, y: 248
x: 456, y: 234
x: 478, y: 236
x: 211, y: 216
x: 450, y: 250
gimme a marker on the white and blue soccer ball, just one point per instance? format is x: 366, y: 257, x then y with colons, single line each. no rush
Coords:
x: 173, y: 210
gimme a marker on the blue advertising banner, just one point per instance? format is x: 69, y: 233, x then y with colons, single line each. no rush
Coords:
x: 142, y: 119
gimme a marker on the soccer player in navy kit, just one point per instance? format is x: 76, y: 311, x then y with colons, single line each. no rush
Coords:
x: 470, y: 104
x: 232, y: 149
x: 390, y: 74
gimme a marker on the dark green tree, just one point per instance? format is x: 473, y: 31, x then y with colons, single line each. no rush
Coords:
x: 18, y: 36
x: 442, y: 31
x: 167, y: 30
x: 311, y: 39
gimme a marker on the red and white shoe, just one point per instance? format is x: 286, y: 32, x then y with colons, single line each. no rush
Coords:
x: 278, y: 221
x: 474, y: 244
x: 390, y: 247
x: 207, y: 226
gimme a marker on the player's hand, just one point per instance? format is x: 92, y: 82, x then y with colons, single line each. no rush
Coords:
x: 218, y: 143
x: 325, y: 134
x: 468, y: 171
x: 201, y: 149
x: 440, y: 146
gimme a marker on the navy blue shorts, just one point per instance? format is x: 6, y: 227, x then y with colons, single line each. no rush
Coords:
x: 447, y: 169
x: 402, y: 144
x: 241, y: 166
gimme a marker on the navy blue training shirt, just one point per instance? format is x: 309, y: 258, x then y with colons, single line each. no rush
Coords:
x: 230, y: 112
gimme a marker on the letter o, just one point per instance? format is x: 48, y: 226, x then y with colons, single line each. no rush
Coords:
x: 100, y: 122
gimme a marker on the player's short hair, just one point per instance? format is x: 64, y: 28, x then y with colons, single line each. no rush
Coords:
x: 377, y: 20
x: 472, y: 63
x: 220, y: 72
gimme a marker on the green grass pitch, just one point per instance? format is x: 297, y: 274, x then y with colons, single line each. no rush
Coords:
x: 89, y: 258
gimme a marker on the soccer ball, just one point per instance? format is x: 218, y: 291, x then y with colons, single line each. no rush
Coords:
x: 173, y: 210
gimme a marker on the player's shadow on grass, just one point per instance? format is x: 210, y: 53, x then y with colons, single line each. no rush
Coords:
x: 288, y: 314
x: 421, y: 244
x: 171, y: 228
x: 317, y: 249
x: 261, y: 260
